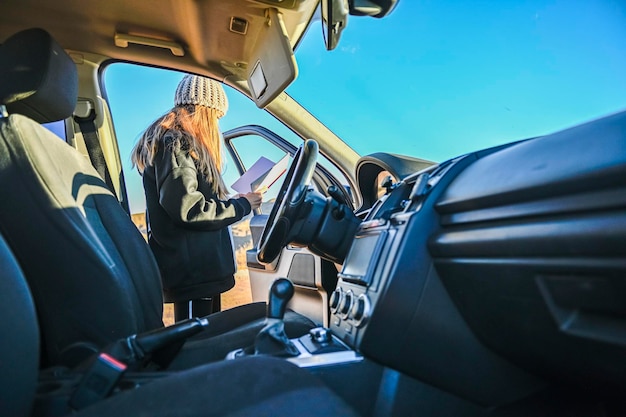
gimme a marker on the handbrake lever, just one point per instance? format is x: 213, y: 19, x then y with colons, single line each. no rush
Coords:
x: 106, y: 369
x: 137, y: 348
x: 154, y: 340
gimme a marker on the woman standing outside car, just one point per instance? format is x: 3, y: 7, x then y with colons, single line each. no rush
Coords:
x: 188, y: 211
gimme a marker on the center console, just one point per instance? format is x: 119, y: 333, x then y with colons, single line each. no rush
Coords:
x: 388, y: 256
x: 374, y: 252
x: 361, y: 279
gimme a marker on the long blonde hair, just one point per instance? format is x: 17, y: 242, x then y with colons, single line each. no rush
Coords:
x: 194, y: 129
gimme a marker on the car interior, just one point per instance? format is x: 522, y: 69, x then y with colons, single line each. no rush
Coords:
x: 490, y: 284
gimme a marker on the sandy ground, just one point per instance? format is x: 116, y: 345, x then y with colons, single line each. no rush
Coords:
x: 240, y: 293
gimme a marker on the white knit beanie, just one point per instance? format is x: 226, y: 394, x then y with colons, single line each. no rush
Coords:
x: 202, y: 91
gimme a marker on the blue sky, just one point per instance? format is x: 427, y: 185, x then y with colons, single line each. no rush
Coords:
x: 459, y: 76
x: 435, y: 79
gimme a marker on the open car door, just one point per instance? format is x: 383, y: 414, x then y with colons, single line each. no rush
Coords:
x: 314, y: 278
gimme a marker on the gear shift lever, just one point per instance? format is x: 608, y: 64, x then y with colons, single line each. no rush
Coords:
x: 272, y: 339
x: 281, y: 292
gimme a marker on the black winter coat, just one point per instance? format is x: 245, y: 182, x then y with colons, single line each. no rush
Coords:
x: 188, y: 227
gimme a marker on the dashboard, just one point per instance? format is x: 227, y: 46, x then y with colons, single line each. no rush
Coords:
x: 497, y: 272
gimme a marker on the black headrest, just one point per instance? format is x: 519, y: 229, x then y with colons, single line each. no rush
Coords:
x: 37, y: 77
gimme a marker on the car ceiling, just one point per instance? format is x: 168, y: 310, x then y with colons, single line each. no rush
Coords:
x: 201, y: 27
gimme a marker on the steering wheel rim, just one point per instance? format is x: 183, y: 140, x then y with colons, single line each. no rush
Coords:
x: 288, y: 203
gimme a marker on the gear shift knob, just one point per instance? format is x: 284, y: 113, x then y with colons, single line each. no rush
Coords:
x: 281, y: 292
x: 272, y: 339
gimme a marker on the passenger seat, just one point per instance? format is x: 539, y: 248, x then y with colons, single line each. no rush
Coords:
x: 244, y: 387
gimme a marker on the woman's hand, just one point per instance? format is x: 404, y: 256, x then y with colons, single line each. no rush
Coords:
x: 255, y: 199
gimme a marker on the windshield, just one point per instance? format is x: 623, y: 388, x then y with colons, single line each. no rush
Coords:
x: 438, y: 79
x: 432, y: 80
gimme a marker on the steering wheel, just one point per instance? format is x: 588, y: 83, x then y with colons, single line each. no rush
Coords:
x: 277, y: 230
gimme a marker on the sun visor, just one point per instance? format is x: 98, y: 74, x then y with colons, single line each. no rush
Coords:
x: 273, y: 64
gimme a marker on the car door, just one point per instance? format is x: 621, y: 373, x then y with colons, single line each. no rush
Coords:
x: 314, y: 278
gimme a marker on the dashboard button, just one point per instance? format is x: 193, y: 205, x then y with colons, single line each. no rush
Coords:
x: 335, y: 300
x: 360, y: 311
x: 346, y: 304
x: 321, y: 335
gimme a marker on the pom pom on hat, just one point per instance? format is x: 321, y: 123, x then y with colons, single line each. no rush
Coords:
x: 201, y: 91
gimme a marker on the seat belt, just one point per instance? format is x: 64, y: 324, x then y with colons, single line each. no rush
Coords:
x: 90, y: 135
x: 88, y: 128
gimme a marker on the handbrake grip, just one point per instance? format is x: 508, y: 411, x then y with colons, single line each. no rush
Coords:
x: 146, y: 343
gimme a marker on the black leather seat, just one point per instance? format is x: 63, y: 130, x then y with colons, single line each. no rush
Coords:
x: 93, y: 277
x: 19, y: 347
x: 248, y: 386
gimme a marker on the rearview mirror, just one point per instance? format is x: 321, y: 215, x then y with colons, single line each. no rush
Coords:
x: 334, y: 20
x: 335, y: 15
x: 374, y: 8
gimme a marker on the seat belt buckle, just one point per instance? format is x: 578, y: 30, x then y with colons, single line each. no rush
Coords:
x: 98, y: 381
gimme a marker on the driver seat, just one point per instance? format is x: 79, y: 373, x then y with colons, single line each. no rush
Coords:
x: 92, y: 275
